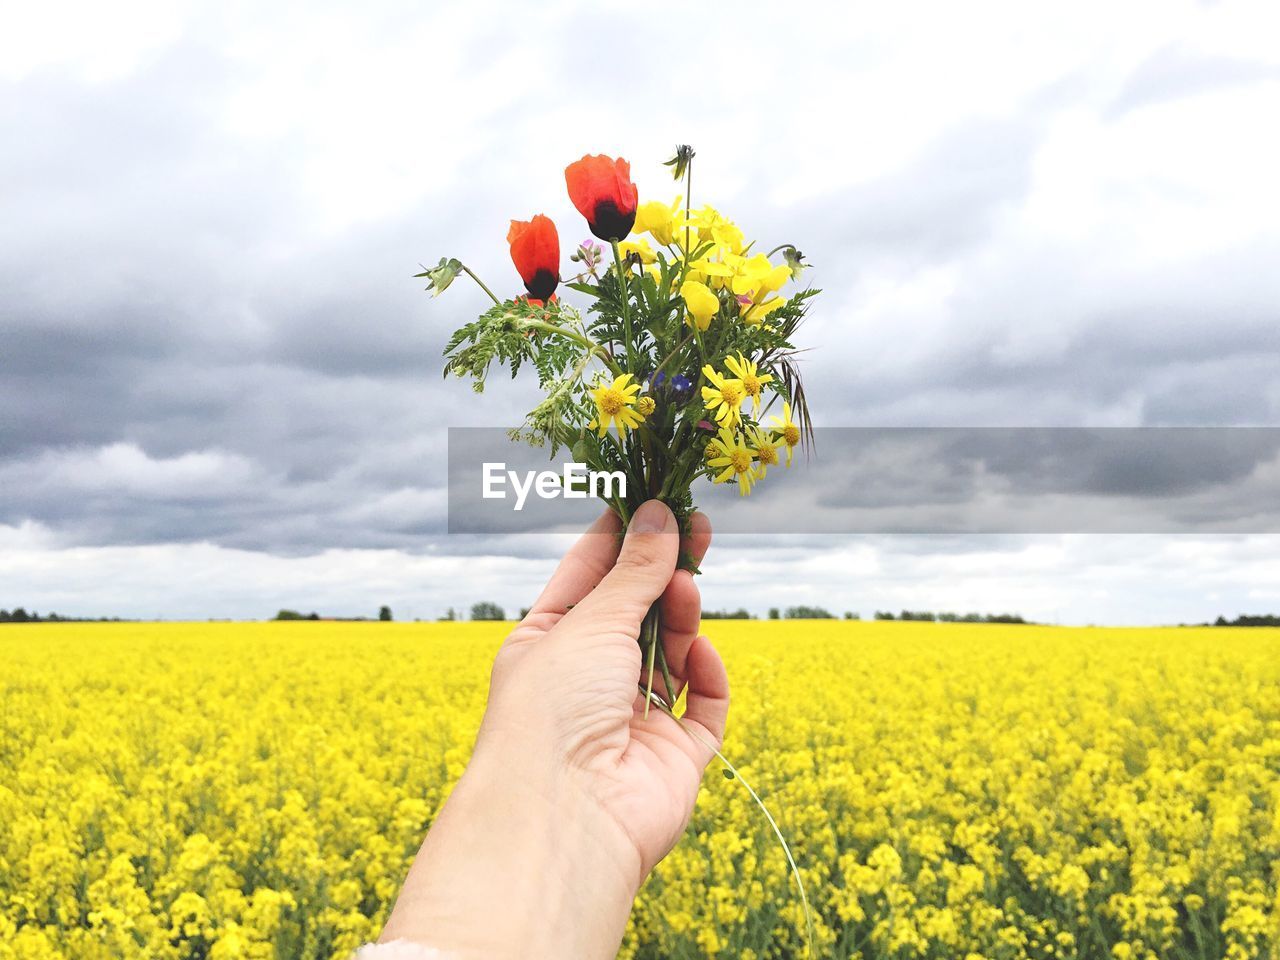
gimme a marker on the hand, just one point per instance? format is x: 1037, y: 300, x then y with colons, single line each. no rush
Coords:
x: 573, y: 795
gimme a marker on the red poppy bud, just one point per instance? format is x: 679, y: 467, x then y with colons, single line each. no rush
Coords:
x: 535, y: 250
x: 601, y: 188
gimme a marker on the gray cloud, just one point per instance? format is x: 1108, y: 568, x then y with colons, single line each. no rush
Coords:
x: 205, y: 253
x: 1174, y: 72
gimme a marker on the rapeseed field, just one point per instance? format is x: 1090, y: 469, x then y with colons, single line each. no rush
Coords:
x: 952, y: 791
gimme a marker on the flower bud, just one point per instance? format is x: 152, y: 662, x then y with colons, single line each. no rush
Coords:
x: 440, y: 276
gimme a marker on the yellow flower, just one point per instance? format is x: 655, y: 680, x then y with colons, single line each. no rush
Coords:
x: 788, y: 430
x: 614, y: 405
x: 702, y: 303
x: 756, y: 279
x: 645, y: 406
x: 765, y: 448
x: 752, y: 382
x: 658, y: 220
x: 640, y: 247
x: 719, y: 272
x: 710, y: 224
x: 758, y: 276
x: 724, y: 397
x: 728, y: 237
x: 754, y: 313
x: 733, y: 459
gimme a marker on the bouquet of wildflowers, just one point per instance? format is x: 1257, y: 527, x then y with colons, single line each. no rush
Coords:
x: 682, y: 366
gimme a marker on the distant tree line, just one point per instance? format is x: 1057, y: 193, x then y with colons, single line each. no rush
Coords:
x: 945, y: 617
x: 1249, y: 620
x: 739, y: 614
x: 19, y: 615
x: 808, y: 613
x: 487, y: 611
x: 384, y: 614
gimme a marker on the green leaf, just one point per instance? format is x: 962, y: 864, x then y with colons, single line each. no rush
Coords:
x: 590, y: 289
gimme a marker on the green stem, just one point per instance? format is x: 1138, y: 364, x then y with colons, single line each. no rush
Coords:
x: 688, y: 199
x: 648, y: 631
x: 481, y: 283
x: 591, y: 345
x: 626, y: 303
x: 662, y: 662
x: 777, y: 831
x: 667, y: 359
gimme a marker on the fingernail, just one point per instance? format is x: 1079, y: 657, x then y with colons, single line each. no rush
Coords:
x: 652, y: 517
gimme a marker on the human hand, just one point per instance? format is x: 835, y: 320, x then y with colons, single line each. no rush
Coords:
x: 573, y: 795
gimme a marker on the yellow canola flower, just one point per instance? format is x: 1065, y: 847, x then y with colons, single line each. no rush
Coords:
x: 614, y: 405
x: 723, y: 399
x: 752, y: 380
x: 658, y: 220
x: 1120, y: 775
x: 733, y: 459
x: 701, y: 302
x: 788, y: 430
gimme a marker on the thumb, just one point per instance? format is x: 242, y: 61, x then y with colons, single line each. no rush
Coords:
x: 644, y: 567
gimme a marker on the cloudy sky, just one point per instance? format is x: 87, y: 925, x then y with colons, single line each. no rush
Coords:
x: 220, y: 388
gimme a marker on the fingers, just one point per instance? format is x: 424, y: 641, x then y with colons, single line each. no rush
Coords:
x: 582, y: 568
x: 699, y: 538
x: 682, y: 605
x: 708, y: 697
x: 681, y: 617
x: 643, y: 568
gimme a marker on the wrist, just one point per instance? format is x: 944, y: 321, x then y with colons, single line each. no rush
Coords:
x: 519, y: 863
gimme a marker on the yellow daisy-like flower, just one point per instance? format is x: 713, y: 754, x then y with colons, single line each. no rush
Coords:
x: 724, y: 397
x: 752, y: 382
x: 733, y: 459
x: 766, y: 450
x: 614, y: 405
x: 787, y: 429
x: 702, y: 303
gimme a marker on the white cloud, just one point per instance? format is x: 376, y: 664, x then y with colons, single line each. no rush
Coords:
x: 126, y: 469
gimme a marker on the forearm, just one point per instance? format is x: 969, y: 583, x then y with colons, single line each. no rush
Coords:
x: 518, y: 866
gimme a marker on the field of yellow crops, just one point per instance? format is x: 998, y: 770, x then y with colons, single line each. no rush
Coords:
x: 220, y: 791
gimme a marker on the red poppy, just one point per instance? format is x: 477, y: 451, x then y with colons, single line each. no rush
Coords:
x: 601, y: 188
x: 535, y: 250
